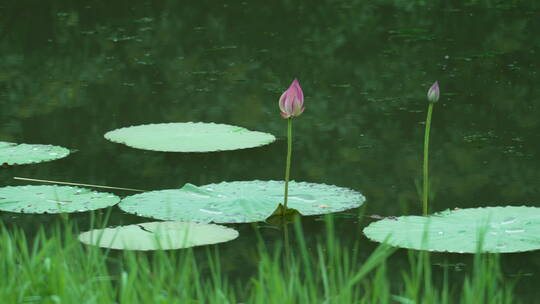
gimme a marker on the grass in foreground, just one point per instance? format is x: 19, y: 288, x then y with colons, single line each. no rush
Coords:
x: 54, y: 267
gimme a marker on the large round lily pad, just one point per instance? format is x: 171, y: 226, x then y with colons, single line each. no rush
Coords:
x: 53, y: 199
x: 20, y: 154
x: 239, y: 202
x: 494, y: 229
x: 189, y: 137
x: 158, y: 235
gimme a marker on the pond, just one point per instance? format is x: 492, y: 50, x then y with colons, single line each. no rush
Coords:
x: 72, y: 71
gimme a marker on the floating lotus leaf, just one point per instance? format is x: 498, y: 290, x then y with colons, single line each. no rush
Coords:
x: 20, y: 154
x: 158, y: 235
x: 53, y: 199
x: 496, y: 229
x: 189, y: 137
x: 239, y: 202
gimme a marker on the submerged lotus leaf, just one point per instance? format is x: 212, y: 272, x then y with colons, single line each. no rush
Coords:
x: 239, y: 202
x: 491, y: 229
x: 158, y: 235
x: 189, y: 137
x: 53, y: 199
x: 20, y: 154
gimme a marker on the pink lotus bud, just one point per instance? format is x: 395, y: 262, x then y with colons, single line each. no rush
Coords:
x: 433, y: 93
x: 291, y: 102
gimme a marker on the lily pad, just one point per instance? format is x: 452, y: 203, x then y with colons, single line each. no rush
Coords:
x: 189, y: 137
x: 492, y: 229
x: 53, y: 199
x: 239, y: 202
x: 158, y: 235
x: 20, y: 154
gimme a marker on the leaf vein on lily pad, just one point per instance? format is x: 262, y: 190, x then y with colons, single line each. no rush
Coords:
x: 158, y: 235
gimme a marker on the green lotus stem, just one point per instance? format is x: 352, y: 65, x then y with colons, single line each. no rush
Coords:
x: 425, y: 199
x: 291, y: 104
x: 286, y: 243
x: 288, y: 166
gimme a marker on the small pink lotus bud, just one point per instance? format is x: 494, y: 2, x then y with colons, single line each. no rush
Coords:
x: 433, y: 93
x: 291, y: 102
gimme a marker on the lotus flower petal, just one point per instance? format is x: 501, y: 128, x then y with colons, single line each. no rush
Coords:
x: 291, y: 102
x: 433, y: 93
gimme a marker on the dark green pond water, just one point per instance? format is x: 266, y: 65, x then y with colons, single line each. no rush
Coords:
x: 72, y: 70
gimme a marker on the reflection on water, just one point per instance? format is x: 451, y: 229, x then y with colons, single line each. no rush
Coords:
x: 71, y: 71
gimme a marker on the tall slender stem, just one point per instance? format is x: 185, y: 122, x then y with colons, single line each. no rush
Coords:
x: 288, y: 167
x: 426, y: 156
x: 286, y: 244
x: 75, y: 184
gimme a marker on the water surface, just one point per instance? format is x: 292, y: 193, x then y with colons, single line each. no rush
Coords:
x: 71, y: 71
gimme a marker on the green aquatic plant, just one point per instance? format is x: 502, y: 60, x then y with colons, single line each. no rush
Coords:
x: 491, y: 229
x: 239, y: 202
x: 54, y: 267
x: 189, y: 137
x: 291, y: 104
x: 158, y: 236
x: 471, y: 230
x: 21, y: 154
x: 433, y: 97
x: 53, y: 199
